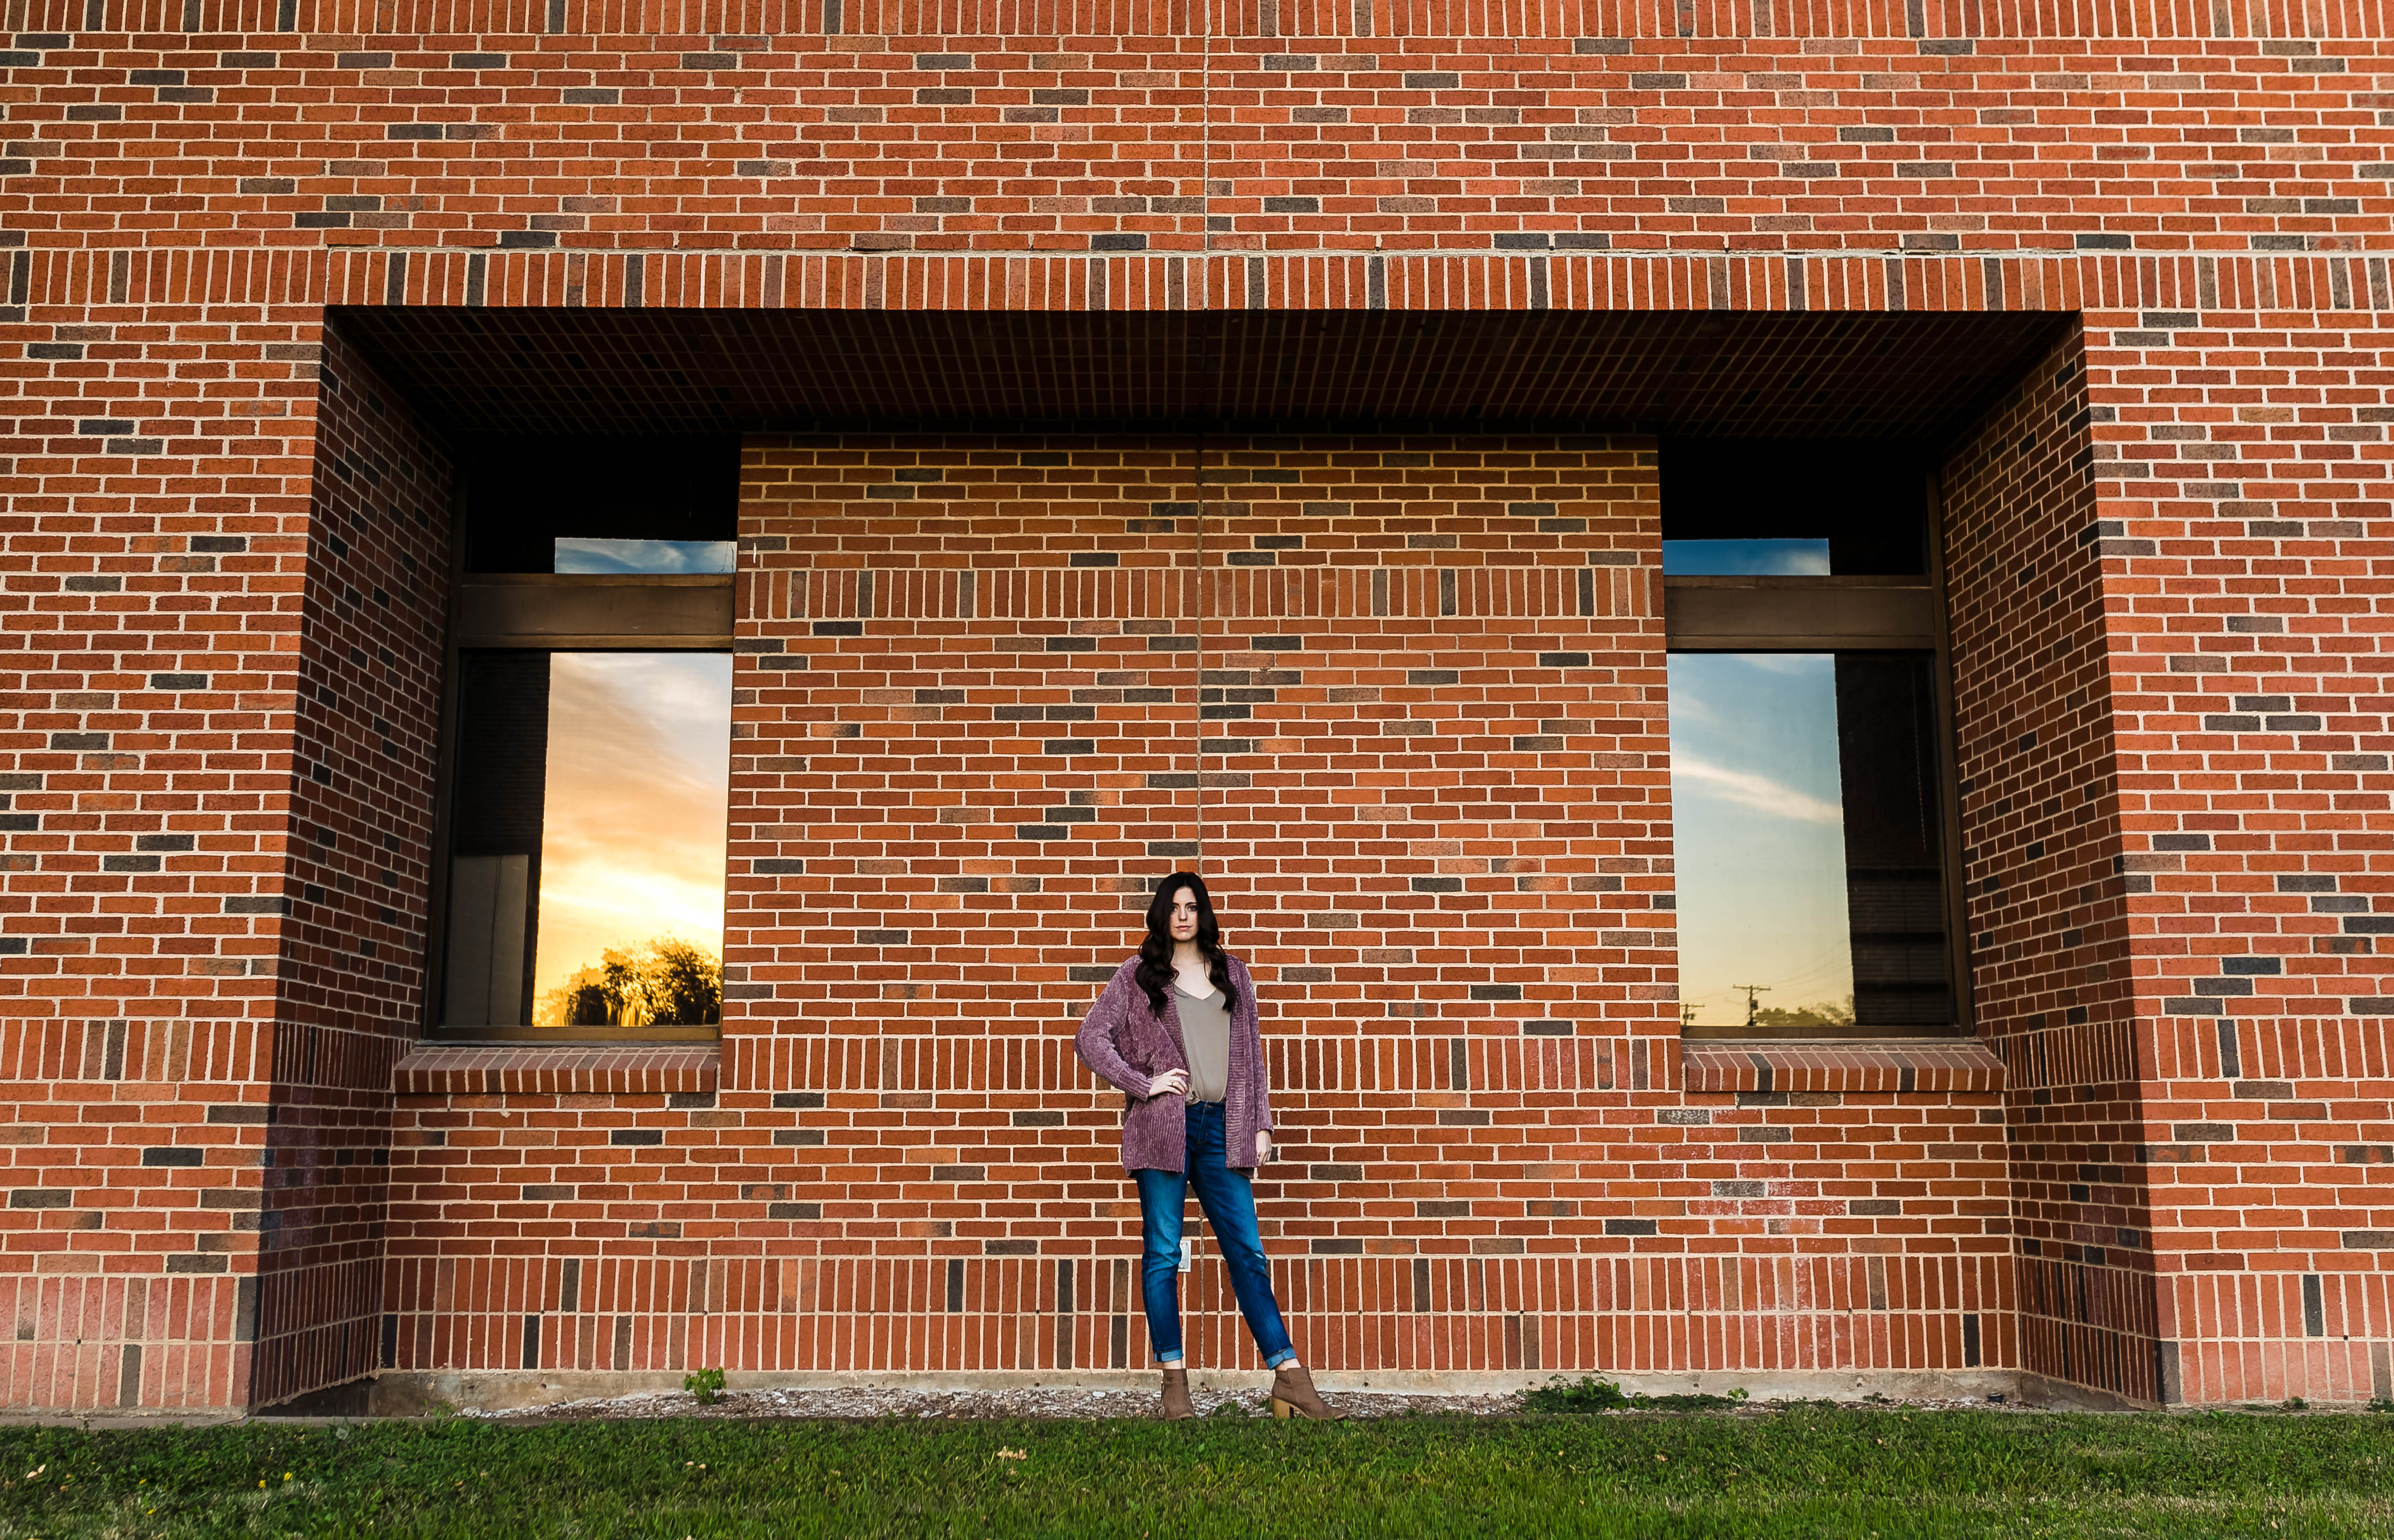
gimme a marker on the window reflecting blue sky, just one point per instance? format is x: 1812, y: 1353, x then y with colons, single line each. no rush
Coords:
x: 1746, y: 558
x: 1759, y: 825
x: 668, y: 557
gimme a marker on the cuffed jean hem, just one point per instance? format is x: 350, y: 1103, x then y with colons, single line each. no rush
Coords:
x: 1280, y: 1358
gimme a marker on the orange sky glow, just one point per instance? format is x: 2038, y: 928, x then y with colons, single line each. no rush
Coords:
x: 639, y: 788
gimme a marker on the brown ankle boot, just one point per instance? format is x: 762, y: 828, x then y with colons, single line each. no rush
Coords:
x: 1292, y: 1396
x: 1175, y: 1393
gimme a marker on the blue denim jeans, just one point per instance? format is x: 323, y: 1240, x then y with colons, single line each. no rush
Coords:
x: 1228, y: 1200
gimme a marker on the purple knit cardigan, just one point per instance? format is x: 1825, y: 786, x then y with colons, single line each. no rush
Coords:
x: 1129, y: 1044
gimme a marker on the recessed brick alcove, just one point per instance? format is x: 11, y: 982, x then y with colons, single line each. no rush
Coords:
x: 1020, y: 339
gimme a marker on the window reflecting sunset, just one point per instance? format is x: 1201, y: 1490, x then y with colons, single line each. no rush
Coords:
x: 585, y: 874
x: 632, y: 843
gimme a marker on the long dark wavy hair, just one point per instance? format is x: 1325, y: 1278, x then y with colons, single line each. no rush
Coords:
x: 1155, y: 952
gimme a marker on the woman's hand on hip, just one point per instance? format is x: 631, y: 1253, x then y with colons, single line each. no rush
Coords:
x: 1263, y: 1146
x: 1170, y: 1082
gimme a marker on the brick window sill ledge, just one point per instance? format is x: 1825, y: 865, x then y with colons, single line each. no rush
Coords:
x: 1897, y: 1065
x: 556, y: 1068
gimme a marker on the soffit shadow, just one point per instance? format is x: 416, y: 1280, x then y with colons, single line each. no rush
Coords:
x: 1748, y: 375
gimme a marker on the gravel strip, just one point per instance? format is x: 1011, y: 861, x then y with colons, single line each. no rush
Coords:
x: 1061, y: 1404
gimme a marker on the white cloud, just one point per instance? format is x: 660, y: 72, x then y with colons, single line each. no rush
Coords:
x: 1800, y: 665
x: 1757, y: 792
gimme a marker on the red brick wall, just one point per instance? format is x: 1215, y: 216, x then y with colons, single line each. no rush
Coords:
x: 1261, y: 125
x: 2046, y: 881
x: 2160, y: 571
x: 352, y: 970
x: 2243, y: 431
x: 177, y: 864
x: 1404, y: 696
x: 182, y: 209
x: 157, y: 470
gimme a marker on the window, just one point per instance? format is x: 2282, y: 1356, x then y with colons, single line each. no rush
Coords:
x: 1810, y: 776
x: 588, y: 758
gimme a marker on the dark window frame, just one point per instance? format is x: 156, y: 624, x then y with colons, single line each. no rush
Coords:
x: 1846, y: 614
x: 556, y: 612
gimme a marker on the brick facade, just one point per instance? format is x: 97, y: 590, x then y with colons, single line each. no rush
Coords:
x: 351, y: 970
x: 1360, y: 607
x: 2049, y: 930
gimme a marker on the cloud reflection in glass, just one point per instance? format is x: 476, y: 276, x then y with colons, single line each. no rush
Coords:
x: 1760, y: 821
x: 664, y: 558
x: 1746, y: 559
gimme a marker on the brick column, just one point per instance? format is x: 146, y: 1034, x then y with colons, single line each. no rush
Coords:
x: 352, y: 966
x: 217, y: 736
x: 2047, y: 888
x: 2240, y: 459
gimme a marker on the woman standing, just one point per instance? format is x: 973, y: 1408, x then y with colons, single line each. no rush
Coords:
x: 1176, y: 1031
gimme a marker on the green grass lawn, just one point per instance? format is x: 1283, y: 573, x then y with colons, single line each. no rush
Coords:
x: 1798, y: 1472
